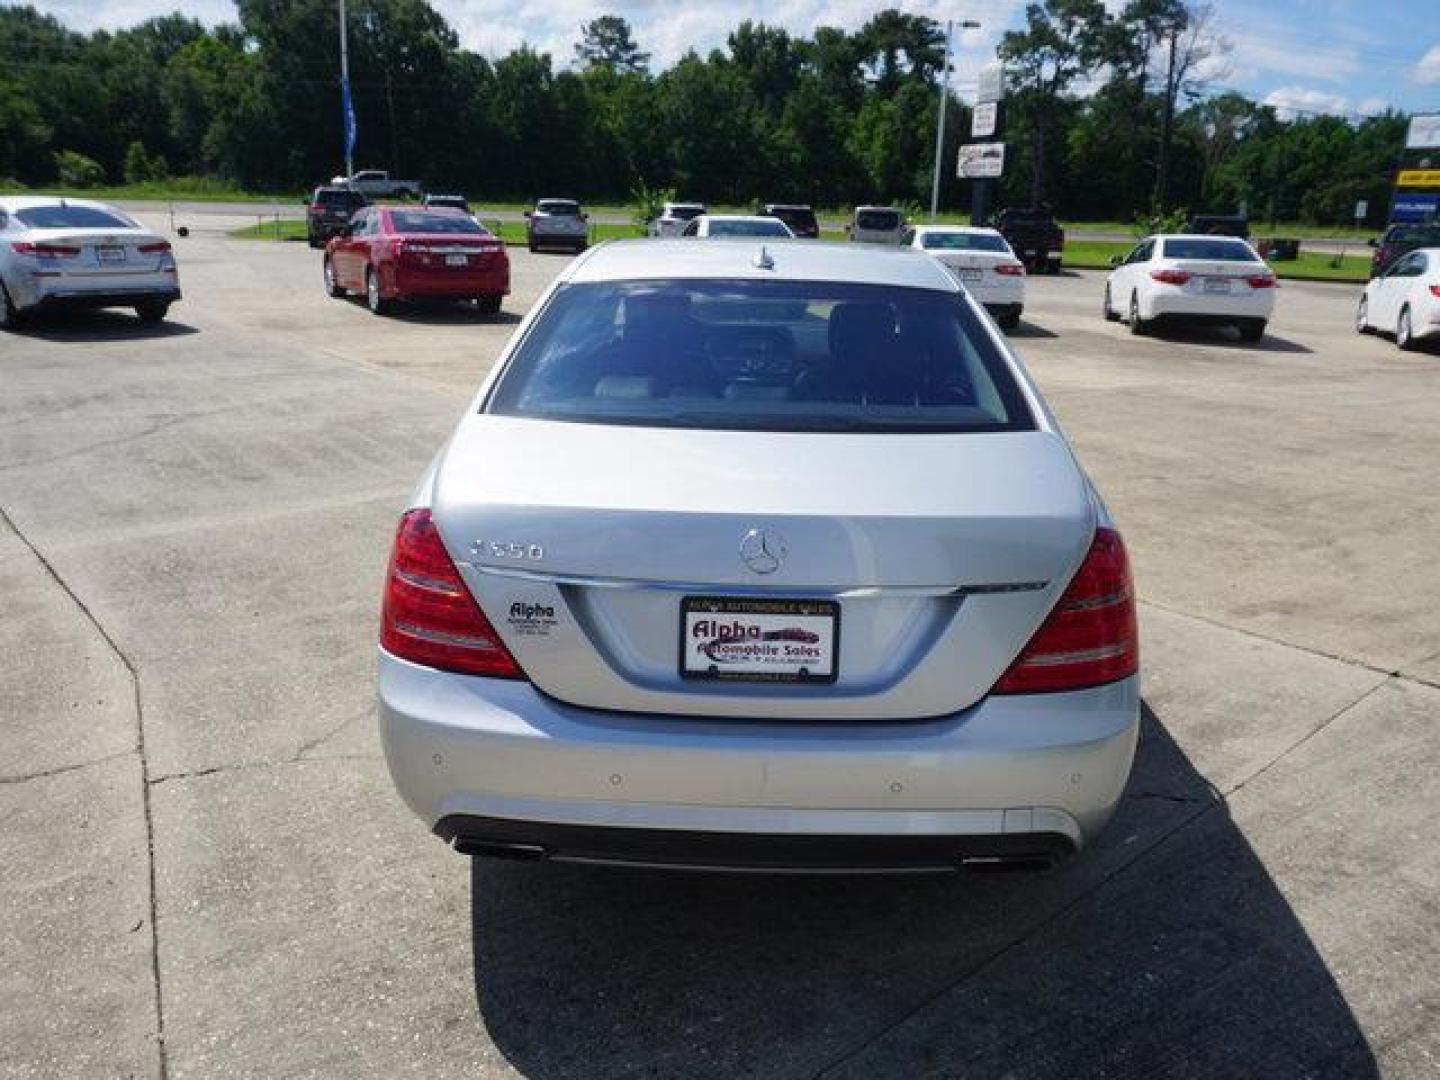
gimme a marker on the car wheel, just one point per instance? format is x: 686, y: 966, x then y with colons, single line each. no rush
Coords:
x: 1111, y: 315
x: 1010, y: 319
x: 1404, y: 333
x: 332, y: 288
x: 10, y: 316
x: 377, y: 304
x: 1251, y: 329
x: 153, y: 311
x: 1362, y: 316
x: 489, y: 305
x: 1138, y: 326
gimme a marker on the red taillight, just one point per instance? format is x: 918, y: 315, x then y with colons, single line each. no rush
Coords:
x: 1010, y: 269
x: 428, y: 616
x: 1435, y: 291
x: 1170, y: 277
x: 1090, y: 636
x: 1261, y: 281
x: 58, y: 251
x: 159, y: 247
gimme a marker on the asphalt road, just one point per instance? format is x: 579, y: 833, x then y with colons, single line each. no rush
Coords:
x: 207, y: 873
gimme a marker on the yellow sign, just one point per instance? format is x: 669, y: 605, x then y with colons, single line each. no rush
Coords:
x: 1418, y: 178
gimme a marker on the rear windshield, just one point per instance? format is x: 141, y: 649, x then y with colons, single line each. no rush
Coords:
x: 878, y: 219
x: 761, y: 355
x: 963, y: 242
x: 71, y: 217
x: 418, y: 221
x: 1416, y: 234
x: 339, y: 197
x: 757, y: 227
x: 1215, y: 250
x: 685, y: 213
x: 557, y: 206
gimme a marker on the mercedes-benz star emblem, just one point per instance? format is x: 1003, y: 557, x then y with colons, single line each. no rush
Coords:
x: 763, y: 550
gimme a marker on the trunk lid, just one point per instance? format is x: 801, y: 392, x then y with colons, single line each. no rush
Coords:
x: 103, y: 253
x: 943, y: 554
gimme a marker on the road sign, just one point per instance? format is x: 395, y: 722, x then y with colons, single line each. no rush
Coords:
x: 1361, y: 209
x: 1424, y: 132
x: 1415, y: 208
x: 1418, y: 178
x: 983, y: 119
x: 981, y: 161
x: 992, y: 83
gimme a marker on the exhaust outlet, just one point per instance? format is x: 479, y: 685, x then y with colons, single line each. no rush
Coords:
x: 500, y: 849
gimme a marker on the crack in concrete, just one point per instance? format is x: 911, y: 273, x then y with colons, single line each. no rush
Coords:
x: 162, y: 1060
x: 1059, y: 913
x: 61, y: 770
x: 245, y: 766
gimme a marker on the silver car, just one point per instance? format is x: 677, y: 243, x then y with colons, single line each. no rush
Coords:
x: 68, y: 253
x: 674, y: 216
x: 557, y: 223
x: 759, y: 557
x: 736, y: 226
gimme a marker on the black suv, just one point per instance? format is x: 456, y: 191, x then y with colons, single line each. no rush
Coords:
x: 328, y: 212
x: 799, y: 217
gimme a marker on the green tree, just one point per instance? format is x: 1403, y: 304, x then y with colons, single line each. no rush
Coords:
x: 606, y: 43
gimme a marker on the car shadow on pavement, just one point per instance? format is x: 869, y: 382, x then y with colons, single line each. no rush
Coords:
x: 1227, y: 338
x: 1028, y: 329
x: 80, y: 326
x: 1166, y: 949
x: 452, y: 315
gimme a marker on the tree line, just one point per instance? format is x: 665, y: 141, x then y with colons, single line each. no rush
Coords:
x: 1108, y: 114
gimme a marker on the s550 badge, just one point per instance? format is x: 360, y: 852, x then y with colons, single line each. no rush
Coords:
x: 510, y: 550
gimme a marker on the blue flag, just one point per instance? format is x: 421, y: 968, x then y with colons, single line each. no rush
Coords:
x: 349, y: 109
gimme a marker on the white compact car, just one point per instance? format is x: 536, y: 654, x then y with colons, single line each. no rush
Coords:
x: 1194, y: 279
x: 674, y: 216
x: 877, y: 225
x: 985, y: 265
x: 759, y: 557
x: 737, y: 226
x: 69, y: 253
x: 1404, y: 300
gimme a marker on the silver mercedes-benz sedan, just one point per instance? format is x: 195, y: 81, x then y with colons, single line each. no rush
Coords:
x: 759, y: 555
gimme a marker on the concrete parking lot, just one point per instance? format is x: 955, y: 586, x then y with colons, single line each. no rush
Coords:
x: 207, y: 873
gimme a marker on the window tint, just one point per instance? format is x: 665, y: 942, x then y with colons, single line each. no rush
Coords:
x: 883, y: 220
x: 559, y: 207
x: 1426, y: 235
x: 418, y: 221
x: 799, y: 218
x: 685, y: 213
x: 762, y: 355
x: 1217, y: 249
x: 937, y: 241
x: 338, y: 197
x: 71, y: 217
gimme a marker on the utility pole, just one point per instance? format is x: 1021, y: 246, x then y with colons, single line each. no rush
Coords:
x: 346, y: 103
x: 967, y: 24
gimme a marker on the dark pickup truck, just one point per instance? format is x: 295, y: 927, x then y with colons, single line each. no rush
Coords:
x: 1034, y: 237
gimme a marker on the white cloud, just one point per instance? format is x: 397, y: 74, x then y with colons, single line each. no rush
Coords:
x: 1370, y: 106
x: 1255, y: 53
x: 1427, y: 71
x: 1290, y: 101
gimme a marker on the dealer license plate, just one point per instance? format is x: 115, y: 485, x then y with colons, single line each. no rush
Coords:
x: 110, y: 253
x: 1217, y: 285
x: 755, y: 640
x: 970, y: 273
x: 457, y: 260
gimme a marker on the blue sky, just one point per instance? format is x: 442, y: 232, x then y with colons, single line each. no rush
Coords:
x: 1342, y: 56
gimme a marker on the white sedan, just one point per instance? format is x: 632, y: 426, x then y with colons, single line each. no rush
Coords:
x: 753, y: 556
x: 985, y: 265
x: 1404, y: 300
x: 69, y: 253
x: 1192, y: 279
x: 737, y: 226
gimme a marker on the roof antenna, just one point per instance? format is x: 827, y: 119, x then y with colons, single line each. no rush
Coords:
x: 763, y: 261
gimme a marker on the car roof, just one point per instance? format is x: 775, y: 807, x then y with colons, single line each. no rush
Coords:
x: 559, y: 199
x: 893, y: 209
x: 791, y: 260
x: 787, y: 206
x: 759, y: 218
x: 1198, y: 236
x: 962, y: 230
x: 22, y: 202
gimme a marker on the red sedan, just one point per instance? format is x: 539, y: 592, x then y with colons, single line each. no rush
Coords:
x: 391, y: 254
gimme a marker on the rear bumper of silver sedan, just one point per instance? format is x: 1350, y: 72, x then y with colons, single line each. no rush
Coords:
x: 496, y: 767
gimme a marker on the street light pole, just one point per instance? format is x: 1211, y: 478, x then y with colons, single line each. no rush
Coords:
x: 967, y: 24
